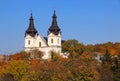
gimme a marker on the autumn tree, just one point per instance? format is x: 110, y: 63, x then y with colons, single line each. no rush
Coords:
x: 80, y: 65
x: 73, y: 47
x: 45, y: 71
x: 105, y: 72
x: 8, y: 77
x: 16, y: 56
x: 90, y: 48
x: 115, y: 66
x: 25, y: 56
x: 106, y: 58
x: 55, y: 56
x: 36, y: 54
x: 17, y: 69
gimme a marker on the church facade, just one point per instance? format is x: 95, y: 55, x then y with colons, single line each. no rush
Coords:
x: 52, y: 42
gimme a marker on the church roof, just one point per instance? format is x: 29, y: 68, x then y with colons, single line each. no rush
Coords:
x: 54, y: 27
x: 31, y: 29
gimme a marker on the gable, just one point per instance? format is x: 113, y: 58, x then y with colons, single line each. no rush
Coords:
x: 41, y: 40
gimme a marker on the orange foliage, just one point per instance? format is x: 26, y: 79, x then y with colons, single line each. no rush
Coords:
x: 34, y: 62
x: 113, y: 51
x: 16, y: 56
x: 2, y: 66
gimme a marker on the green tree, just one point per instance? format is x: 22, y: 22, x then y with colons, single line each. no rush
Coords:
x: 73, y: 47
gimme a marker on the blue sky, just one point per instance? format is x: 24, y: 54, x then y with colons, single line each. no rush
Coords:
x: 88, y: 21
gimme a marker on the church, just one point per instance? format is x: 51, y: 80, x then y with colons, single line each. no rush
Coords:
x: 52, y: 42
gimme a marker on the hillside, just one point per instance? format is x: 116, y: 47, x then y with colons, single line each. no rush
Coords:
x: 100, y: 62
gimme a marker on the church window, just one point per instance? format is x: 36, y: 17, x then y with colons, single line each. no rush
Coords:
x: 51, y: 40
x: 28, y: 42
x: 39, y: 44
x: 58, y: 41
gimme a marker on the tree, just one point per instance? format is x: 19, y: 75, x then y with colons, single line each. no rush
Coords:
x: 73, y: 47
x: 25, y: 56
x: 77, y: 70
x: 36, y: 54
x: 90, y: 48
x: 116, y: 68
x: 55, y: 56
x: 82, y: 69
x: 105, y: 69
x: 17, y: 68
x: 105, y: 72
x: 45, y: 71
x: 106, y: 58
x: 8, y: 77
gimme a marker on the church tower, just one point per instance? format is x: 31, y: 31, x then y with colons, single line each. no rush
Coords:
x: 33, y: 40
x: 54, y: 33
x: 30, y: 34
x: 31, y: 29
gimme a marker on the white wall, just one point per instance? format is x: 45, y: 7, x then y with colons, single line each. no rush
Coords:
x: 46, y: 49
x: 34, y: 41
x: 56, y: 40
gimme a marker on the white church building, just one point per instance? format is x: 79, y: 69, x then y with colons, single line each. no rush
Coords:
x: 52, y: 42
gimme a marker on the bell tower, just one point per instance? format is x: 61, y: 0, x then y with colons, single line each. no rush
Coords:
x: 31, y: 29
x: 54, y: 33
x: 30, y: 34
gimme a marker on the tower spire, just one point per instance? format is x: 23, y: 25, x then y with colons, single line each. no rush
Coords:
x: 30, y: 12
x: 54, y: 11
x: 54, y: 27
x: 31, y: 29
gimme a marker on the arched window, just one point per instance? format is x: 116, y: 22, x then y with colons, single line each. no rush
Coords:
x: 51, y: 40
x: 28, y: 42
x: 39, y: 44
x: 58, y: 41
